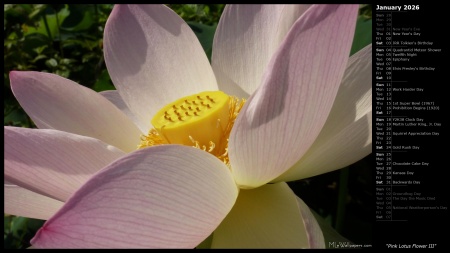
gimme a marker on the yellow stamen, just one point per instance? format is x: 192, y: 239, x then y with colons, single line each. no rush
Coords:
x: 207, y: 129
x: 152, y: 139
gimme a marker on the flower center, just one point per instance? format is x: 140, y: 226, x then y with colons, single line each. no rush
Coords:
x: 203, y: 120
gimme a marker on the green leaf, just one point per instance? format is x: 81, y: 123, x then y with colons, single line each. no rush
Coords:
x: 81, y: 18
x: 53, y: 26
x: 103, y: 82
x: 34, y: 224
x: 363, y: 34
x: 19, y: 226
x: 205, y: 35
x: 35, y: 43
x: 63, y: 72
x: 37, y: 10
x: 6, y: 223
x: 15, y: 118
x: 51, y: 63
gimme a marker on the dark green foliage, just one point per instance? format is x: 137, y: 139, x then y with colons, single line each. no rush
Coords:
x: 61, y: 39
x: 18, y: 231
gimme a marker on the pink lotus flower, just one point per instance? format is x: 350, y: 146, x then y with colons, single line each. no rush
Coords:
x: 308, y: 112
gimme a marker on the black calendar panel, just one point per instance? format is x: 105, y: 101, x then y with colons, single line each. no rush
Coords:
x: 410, y: 141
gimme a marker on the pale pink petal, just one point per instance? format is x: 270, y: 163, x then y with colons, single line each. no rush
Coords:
x: 154, y: 58
x: 57, y: 103
x: 114, y: 97
x: 347, y: 134
x: 51, y: 162
x: 246, y: 38
x: 315, y: 236
x: 166, y: 196
x: 22, y: 202
x: 268, y: 217
x: 283, y: 117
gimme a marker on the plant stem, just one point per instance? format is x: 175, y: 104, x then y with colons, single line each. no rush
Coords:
x: 47, y: 28
x: 59, y: 33
x: 342, y: 199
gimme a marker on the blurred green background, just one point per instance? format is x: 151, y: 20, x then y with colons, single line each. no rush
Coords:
x: 67, y: 39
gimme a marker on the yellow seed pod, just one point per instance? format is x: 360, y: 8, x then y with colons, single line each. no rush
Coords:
x: 202, y: 117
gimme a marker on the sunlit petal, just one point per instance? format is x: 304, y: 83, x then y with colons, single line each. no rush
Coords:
x: 283, y: 117
x: 58, y: 103
x: 313, y: 230
x: 347, y: 134
x: 160, y: 197
x: 114, y: 97
x: 22, y: 202
x: 246, y: 38
x: 51, y: 162
x: 268, y: 217
x: 154, y: 58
